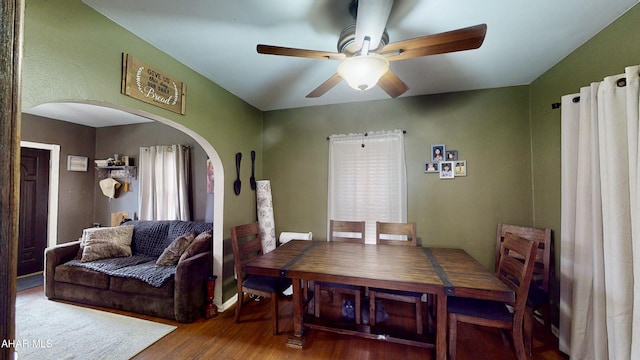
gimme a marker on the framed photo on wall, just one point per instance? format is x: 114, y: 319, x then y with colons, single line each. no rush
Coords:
x: 451, y: 155
x: 446, y: 170
x: 437, y: 153
x: 431, y: 167
x: 77, y: 163
x: 460, y: 168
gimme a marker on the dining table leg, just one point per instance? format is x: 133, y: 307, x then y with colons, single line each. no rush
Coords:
x: 441, y: 327
x: 296, y: 340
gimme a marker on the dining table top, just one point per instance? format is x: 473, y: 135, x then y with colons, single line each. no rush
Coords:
x: 442, y: 272
x: 446, y: 271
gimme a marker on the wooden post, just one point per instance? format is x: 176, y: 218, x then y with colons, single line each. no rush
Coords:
x: 11, y: 13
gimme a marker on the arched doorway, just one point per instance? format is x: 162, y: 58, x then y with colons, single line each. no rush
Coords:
x: 79, y: 112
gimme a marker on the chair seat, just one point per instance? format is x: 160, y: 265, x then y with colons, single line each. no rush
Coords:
x: 537, y: 297
x: 266, y: 283
x: 479, y: 308
x: 338, y: 286
x: 396, y: 292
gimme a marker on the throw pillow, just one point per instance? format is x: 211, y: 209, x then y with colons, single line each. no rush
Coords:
x: 172, y: 253
x: 106, y: 242
x: 200, y: 244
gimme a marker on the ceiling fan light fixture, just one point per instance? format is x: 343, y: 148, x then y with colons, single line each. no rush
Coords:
x: 363, y: 72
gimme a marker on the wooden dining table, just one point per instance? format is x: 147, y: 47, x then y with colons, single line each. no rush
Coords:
x: 440, y: 272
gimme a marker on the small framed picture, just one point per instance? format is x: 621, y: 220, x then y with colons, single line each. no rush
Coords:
x: 437, y: 153
x: 446, y: 170
x: 77, y: 163
x: 431, y: 167
x: 452, y: 155
x: 460, y: 168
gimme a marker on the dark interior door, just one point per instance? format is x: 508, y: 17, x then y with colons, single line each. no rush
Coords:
x: 34, y: 203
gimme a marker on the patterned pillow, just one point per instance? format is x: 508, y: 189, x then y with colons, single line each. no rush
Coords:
x: 106, y: 242
x: 199, y: 245
x: 150, y: 237
x: 172, y: 253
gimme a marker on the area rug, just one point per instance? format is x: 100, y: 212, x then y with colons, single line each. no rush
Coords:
x: 47, y: 329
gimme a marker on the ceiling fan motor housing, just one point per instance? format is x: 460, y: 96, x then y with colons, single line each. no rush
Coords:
x: 347, y: 39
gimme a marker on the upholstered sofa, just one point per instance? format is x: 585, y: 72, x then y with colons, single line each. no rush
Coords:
x: 132, y: 277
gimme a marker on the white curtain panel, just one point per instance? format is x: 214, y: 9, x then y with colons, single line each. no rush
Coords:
x: 600, y: 238
x: 368, y: 179
x: 266, y: 222
x: 164, y: 183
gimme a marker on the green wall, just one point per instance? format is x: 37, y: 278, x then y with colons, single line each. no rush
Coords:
x: 489, y: 128
x: 510, y: 137
x: 607, y: 53
x: 72, y: 53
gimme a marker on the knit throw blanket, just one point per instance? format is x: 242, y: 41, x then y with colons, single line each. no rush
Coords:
x: 139, y: 267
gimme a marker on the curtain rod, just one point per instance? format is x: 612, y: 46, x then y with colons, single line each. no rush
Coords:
x: 557, y: 105
x: 622, y: 82
x: 367, y: 134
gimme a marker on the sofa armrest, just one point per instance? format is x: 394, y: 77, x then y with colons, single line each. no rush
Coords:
x: 190, y: 286
x: 54, y: 256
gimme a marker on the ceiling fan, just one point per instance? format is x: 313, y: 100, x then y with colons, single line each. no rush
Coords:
x: 364, y: 50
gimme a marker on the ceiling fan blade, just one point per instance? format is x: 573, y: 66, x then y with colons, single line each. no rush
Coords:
x: 371, y: 20
x: 303, y: 53
x: 325, y: 86
x: 451, y: 41
x: 392, y: 85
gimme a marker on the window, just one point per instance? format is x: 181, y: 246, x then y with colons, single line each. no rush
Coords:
x: 368, y: 179
x: 164, y: 183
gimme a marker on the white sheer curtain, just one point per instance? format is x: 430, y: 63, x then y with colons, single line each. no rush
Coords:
x: 164, y: 183
x: 600, y: 240
x: 368, y: 179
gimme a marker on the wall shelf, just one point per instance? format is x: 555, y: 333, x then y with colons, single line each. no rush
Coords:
x: 116, y: 172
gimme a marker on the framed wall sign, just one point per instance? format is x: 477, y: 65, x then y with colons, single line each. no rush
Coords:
x: 77, y: 163
x: 152, y: 86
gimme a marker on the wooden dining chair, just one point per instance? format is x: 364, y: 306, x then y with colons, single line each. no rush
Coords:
x: 247, y: 244
x: 396, y: 234
x: 344, y: 231
x: 538, y: 298
x: 515, y: 269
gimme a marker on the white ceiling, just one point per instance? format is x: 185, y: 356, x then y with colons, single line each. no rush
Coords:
x: 218, y: 39
x: 86, y: 114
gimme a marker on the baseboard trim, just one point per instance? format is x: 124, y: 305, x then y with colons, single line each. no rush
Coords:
x: 227, y: 304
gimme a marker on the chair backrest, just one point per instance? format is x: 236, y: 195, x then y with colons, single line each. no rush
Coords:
x: 515, y: 268
x: 346, y: 231
x: 396, y: 233
x: 542, y: 266
x: 247, y: 244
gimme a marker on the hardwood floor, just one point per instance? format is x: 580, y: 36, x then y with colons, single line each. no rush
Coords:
x: 220, y: 338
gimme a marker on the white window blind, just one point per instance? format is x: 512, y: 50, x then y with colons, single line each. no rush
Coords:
x: 368, y: 179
